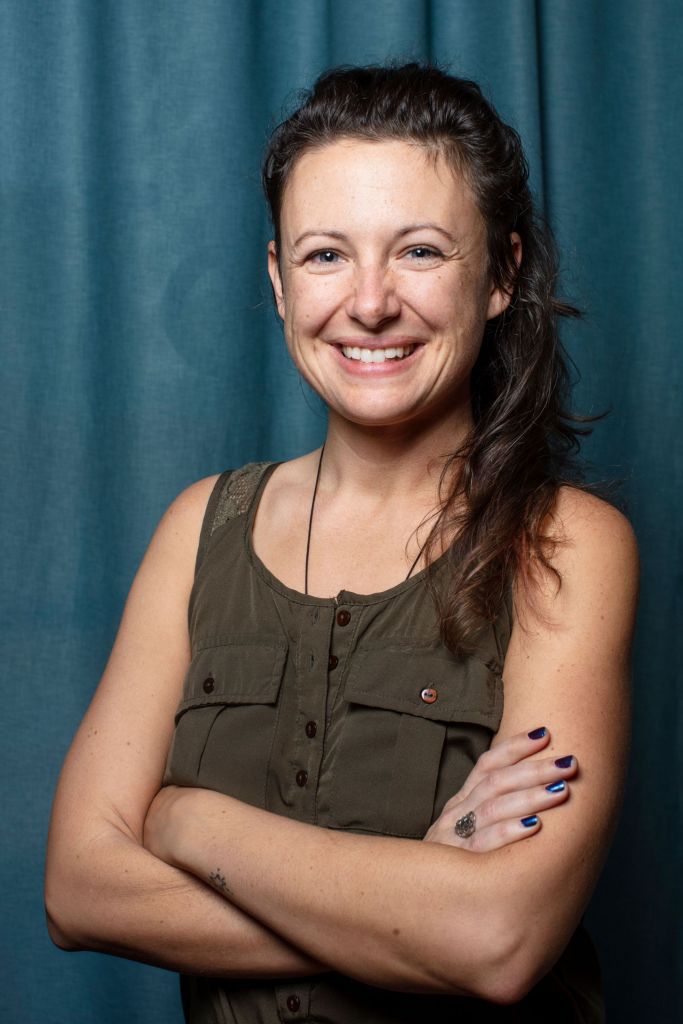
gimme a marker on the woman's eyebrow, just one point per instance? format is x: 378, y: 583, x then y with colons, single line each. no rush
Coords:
x: 426, y: 226
x: 321, y: 231
x: 408, y: 229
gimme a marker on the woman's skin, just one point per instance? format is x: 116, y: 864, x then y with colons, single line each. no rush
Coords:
x: 356, y: 270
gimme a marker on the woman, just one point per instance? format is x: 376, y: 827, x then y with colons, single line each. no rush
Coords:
x: 349, y: 779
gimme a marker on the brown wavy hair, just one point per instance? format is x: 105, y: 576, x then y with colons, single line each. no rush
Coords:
x: 524, y: 443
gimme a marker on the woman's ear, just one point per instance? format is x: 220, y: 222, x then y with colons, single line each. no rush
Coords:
x: 499, y: 300
x: 275, y: 279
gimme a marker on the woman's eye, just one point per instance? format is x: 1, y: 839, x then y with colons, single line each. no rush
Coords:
x: 421, y: 253
x: 324, y: 256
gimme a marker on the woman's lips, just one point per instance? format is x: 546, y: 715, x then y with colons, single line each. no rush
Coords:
x: 388, y: 368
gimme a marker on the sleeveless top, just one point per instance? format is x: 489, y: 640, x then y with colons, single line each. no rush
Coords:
x: 346, y: 713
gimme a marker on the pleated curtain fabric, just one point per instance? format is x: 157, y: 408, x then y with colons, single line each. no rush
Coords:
x: 140, y: 352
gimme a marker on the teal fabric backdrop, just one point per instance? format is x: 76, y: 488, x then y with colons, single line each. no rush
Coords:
x: 141, y: 352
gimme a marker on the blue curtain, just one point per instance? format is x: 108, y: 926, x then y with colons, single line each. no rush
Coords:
x: 141, y: 352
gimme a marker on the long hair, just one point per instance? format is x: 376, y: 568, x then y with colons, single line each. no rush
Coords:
x: 506, y: 475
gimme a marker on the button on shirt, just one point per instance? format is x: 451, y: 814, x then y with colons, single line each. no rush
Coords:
x: 346, y: 713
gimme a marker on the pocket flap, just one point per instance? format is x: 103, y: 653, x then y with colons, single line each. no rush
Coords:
x: 428, y: 682
x: 234, y: 670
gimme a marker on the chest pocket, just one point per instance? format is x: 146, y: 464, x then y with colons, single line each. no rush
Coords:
x: 414, y: 723
x: 225, y: 722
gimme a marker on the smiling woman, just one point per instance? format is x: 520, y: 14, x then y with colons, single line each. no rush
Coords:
x: 337, y: 802
x: 356, y: 278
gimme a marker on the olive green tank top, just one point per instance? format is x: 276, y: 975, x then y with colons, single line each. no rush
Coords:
x: 346, y: 713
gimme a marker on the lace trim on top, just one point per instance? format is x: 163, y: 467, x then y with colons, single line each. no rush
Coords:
x: 237, y: 493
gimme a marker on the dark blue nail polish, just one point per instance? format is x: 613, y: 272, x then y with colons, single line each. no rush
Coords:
x: 530, y: 822
x: 537, y: 734
x: 564, y: 762
x: 556, y: 787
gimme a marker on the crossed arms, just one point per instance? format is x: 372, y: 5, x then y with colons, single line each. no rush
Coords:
x: 297, y: 899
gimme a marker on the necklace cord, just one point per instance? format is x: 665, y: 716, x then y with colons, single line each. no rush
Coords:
x: 419, y: 556
x: 310, y: 520
x: 310, y: 528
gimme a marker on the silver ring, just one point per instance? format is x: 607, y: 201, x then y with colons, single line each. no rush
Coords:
x: 465, y: 826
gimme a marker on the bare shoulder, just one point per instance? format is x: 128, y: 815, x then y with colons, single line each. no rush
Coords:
x: 155, y: 611
x: 584, y: 521
x: 177, y: 535
x: 595, y: 557
x: 186, y: 511
x: 194, y: 497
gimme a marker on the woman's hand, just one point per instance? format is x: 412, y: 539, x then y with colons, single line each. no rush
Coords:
x: 506, y: 792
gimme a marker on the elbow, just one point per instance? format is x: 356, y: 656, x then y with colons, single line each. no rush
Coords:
x: 511, y: 972
x: 58, y: 936
x: 61, y: 900
x: 58, y: 927
x: 506, y: 986
x: 499, y: 967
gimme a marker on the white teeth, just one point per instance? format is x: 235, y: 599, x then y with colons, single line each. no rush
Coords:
x: 376, y: 355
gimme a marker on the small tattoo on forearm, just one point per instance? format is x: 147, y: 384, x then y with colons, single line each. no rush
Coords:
x: 218, y: 881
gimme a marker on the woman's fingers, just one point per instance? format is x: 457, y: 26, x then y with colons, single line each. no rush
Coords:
x: 514, y: 777
x: 514, y: 748
x: 522, y: 776
x: 514, y: 816
x: 502, y: 834
x: 511, y: 751
x: 502, y: 819
x: 506, y: 790
x: 524, y: 804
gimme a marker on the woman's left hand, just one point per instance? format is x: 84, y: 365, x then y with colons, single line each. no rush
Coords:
x: 505, y: 791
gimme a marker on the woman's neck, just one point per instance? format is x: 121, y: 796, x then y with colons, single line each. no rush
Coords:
x: 391, y: 461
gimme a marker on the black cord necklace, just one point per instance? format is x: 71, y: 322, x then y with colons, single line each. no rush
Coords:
x: 310, y: 519
x: 310, y: 525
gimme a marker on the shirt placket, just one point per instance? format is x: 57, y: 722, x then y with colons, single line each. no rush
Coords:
x: 324, y: 642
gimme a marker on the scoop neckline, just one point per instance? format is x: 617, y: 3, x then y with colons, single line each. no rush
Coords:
x: 344, y: 597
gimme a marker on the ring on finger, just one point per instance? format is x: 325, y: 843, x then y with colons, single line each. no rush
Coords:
x: 465, y: 826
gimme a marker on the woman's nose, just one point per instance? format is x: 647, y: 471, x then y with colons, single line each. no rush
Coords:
x: 373, y: 298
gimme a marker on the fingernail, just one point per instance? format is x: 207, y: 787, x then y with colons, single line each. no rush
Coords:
x: 537, y: 734
x: 556, y: 787
x: 564, y: 762
x: 530, y: 822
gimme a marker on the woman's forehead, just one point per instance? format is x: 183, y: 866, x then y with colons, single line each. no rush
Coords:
x: 374, y: 182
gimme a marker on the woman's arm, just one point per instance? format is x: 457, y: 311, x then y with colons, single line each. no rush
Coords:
x: 425, y: 916
x: 103, y: 890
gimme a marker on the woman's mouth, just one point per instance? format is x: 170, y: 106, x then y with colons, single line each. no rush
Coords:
x: 376, y: 355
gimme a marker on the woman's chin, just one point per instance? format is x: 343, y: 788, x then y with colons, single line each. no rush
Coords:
x: 375, y: 416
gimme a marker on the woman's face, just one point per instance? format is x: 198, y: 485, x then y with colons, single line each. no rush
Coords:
x: 382, y: 281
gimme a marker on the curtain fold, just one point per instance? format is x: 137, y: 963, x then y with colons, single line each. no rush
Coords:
x: 141, y: 352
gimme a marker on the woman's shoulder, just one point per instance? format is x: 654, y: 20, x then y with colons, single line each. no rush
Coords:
x: 584, y: 524
x: 177, y: 533
x: 188, y: 507
x: 227, y: 495
x: 592, y: 561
